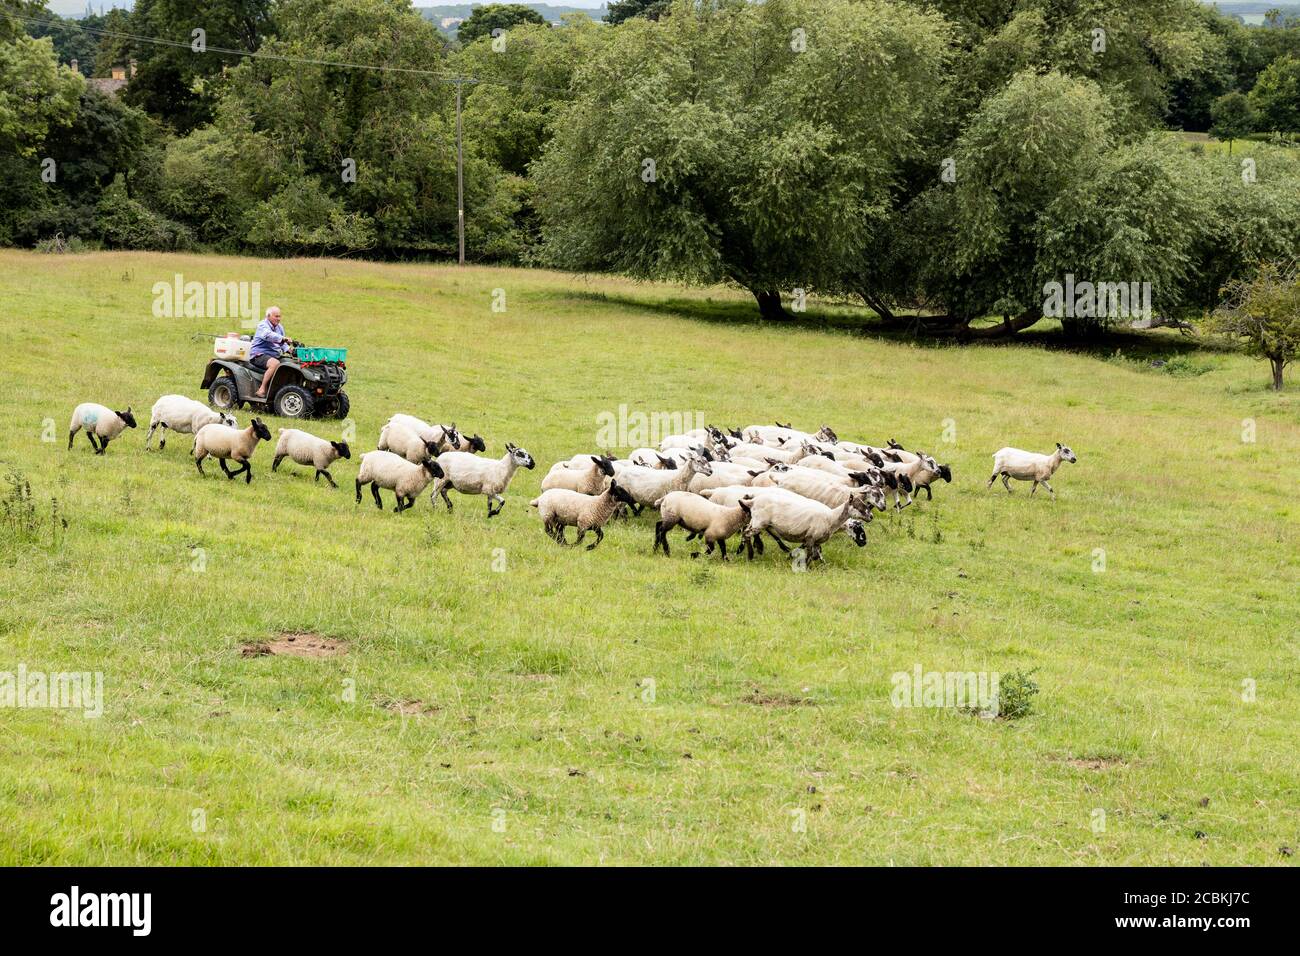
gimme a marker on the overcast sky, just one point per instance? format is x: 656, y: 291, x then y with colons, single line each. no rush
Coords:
x: 76, y: 8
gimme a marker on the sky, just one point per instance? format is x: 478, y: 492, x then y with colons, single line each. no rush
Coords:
x: 76, y: 8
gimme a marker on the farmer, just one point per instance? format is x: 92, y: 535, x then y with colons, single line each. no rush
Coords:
x: 269, y: 343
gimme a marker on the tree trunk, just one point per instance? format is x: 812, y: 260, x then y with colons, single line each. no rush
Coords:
x: 1278, y: 365
x: 769, y: 304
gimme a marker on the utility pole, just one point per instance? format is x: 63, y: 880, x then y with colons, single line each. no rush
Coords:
x: 460, y: 178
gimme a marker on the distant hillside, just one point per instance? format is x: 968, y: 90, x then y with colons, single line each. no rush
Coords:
x: 1252, y: 12
x: 447, y: 16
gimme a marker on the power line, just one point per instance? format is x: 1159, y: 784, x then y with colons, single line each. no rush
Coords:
x: 439, y: 75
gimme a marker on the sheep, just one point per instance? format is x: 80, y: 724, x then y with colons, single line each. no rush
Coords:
x: 307, y: 449
x: 1029, y: 466
x: 766, y: 452
x: 650, y: 458
x: 401, y: 439
x: 588, y: 481
x: 469, y: 475
x: 184, y: 416
x: 808, y: 522
x: 713, y: 522
x: 828, y: 466
x: 828, y: 489
x: 648, y: 485
x: 445, y: 437
x: 784, y: 433
x: 383, y: 469
x: 470, y: 443
x: 222, y: 442
x: 99, y: 422
x: 722, y: 473
x: 922, y: 469
x: 560, y: 507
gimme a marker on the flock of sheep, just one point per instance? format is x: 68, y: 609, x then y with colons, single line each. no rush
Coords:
x: 802, y: 488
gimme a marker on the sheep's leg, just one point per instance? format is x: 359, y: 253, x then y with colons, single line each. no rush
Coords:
x: 1049, y: 489
x: 162, y: 436
x: 1033, y: 490
x: 358, y: 491
x: 103, y: 446
x: 491, y: 498
x: 328, y: 477
x: 225, y: 468
x: 275, y: 465
x: 992, y: 478
x: 636, y: 510
x: 148, y: 438
x: 582, y: 533
x: 559, y: 534
x: 929, y: 495
x: 70, y: 434
x: 600, y: 536
x: 198, y: 463
x: 780, y: 544
x: 443, y: 491
x: 90, y: 436
x: 1006, y: 482
x: 722, y: 546
x: 374, y: 490
x: 248, y: 472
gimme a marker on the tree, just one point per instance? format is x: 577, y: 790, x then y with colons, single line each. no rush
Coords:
x: 37, y: 94
x: 1276, y: 96
x: 745, y: 142
x: 495, y: 16
x: 1264, y: 312
x: 620, y: 10
x: 1232, y: 117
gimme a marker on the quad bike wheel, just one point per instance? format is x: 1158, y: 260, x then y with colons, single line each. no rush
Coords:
x: 294, y: 402
x: 342, y: 406
x: 224, y: 393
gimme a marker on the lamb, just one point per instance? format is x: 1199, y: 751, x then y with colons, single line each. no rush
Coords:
x: 184, y: 416
x: 411, y: 444
x: 222, y: 442
x: 383, y: 469
x: 1029, y: 466
x: 559, y: 508
x: 99, y: 422
x: 808, y: 522
x: 713, y: 522
x: 469, y: 475
x: 307, y: 449
x: 445, y: 437
x: 586, y: 481
x: 648, y: 485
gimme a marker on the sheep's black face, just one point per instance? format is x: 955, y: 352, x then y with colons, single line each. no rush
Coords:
x: 826, y: 433
x: 874, y: 459
x: 892, y: 444
x: 476, y: 443
x: 451, y: 436
x: 1065, y: 453
x: 431, y: 447
x: 736, y: 433
x: 905, y: 483
x: 432, y: 467
x: 127, y: 417
x: 604, y: 464
x: 229, y: 421
x: 621, y: 494
x: 945, y: 473
x: 342, y: 448
x: 260, y: 430
x: 669, y: 464
x: 857, y: 531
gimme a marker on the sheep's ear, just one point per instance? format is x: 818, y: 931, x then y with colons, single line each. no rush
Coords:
x: 1058, y: 444
x: 754, y: 474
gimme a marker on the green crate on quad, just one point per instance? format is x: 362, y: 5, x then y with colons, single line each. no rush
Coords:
x: 321, y: 355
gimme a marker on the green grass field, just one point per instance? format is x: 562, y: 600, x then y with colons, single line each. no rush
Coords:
x: 495, y: 703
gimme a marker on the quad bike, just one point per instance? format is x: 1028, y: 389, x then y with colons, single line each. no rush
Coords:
x: 309, y: 382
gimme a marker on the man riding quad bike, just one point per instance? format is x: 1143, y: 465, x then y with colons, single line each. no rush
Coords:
x: 279, y: 375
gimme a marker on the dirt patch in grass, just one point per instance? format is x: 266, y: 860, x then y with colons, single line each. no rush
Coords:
x: 407, y: 707
x: 288, y: 644
x: 1094, y: 763
x: 762, y: 698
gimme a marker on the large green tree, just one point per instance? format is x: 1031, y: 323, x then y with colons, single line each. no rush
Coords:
x: 751, y: 142
x: 496, y: 16
x: 1276, y: 96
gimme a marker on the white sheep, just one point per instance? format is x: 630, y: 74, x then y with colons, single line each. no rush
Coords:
x: 587, y: 481
x: 561, y: 508
x: 184, y: 416
x: 99, y: 422
x: 1029, y: 466
x: 401, y: 439
x: 470, y: 475
x: 715, y: 523
x: 648, y: 485
x: 383, y: 469
x: 223, y: 442
x: 445, y: 437
x: 723, y: 473
x: 807, y: 522
x: 830, y: 490
x: 307, y: 449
